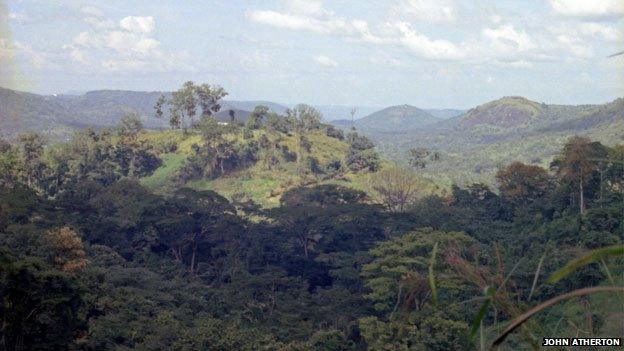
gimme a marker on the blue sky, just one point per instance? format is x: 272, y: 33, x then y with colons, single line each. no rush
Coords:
x: 428, y: 53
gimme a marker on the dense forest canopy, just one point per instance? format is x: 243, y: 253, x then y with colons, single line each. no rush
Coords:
x: 122, y: 239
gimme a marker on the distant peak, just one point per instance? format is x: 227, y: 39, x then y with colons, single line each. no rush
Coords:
x: 506, y: 112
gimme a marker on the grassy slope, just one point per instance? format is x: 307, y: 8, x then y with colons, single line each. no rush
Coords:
x: 262, y: 185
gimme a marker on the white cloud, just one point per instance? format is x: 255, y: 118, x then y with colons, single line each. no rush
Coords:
x: 88, y: 40
x: 138, y: 24
x: 573, y: 45
x: 325, y: 61
x: 398, y: 33
x: 18, y: 17
x: 94, y: 17
x: 425, y: 10
x: 426, y: 47
x: 305, y: 7
x: 508, y: 44
x: 507, y: 38
x: 600, y: 31
x: 78, y: 56
x: 331, y: 25
x: 126, y: 45
x: 496, y: 18
x: 24, y: 52
x: 125, y: 42
x: 599, y: 9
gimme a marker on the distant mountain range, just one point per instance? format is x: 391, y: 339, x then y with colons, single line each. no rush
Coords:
x: 472, y: 144
x: 58, y: 115
x: 476, y: 143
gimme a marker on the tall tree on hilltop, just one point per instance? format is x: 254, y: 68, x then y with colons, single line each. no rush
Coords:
x: 184, y: 103
x: 160, y: 103
x: 307, y: 117
x: 257, y: 117
x: 208, y: 97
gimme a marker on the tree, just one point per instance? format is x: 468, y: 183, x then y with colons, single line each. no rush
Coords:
x: 160, y: 103
x: 184, y: 102
x: 277, y: 124
x: 304, y: 147
x: 399, y: 279
x: 419, y: 157
x: 211, y: 131
x: 397, y: 187
x: 208, y: 97
x: 129, y: 127
x: 66, y: 249
x: 187, y: 100
x: 40, y: 307
x: 257, y: 117
x: 194, y: 222
x: 31, y: 152
x: 577, y: 163
x: 9, y: 164
x: 128, y: 131
x: 333, y: 132
x: 324, y: 217
x: 360, y: 155
x: 523, y: 184
x: 134, y: 155
x: 307, y: 117
x: 175, y: 120
x: 362, y: 160
x: 359, y: 142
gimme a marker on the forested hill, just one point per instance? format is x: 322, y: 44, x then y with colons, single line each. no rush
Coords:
x: 473, y: 146
x: 391, y: 119
x: 285, y: 233
x: 121, y: 240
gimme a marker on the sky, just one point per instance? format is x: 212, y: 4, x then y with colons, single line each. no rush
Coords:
x: 427, y: 53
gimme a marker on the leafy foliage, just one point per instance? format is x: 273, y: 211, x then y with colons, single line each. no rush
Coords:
x: 92, y: 259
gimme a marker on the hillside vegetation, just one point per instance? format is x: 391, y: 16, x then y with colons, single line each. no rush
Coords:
x: 258, y: 182
x: 114, y: 240
x: 473, y: 146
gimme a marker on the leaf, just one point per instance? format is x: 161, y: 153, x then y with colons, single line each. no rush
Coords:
x: 518, y: 321
x: 432, y: 284
x: 537, y: 273
x: 606, y: 268
x: 476, y: 324
x: 590, y: 257
x: 511, y: 272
